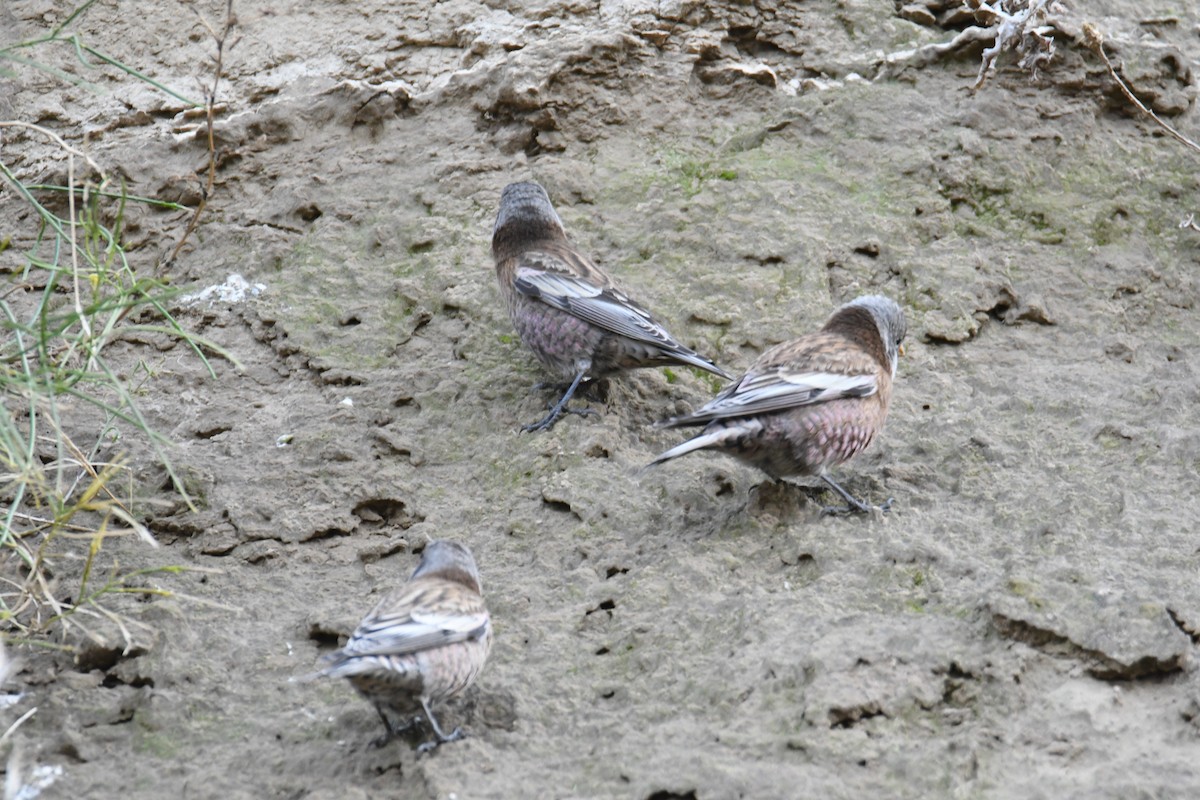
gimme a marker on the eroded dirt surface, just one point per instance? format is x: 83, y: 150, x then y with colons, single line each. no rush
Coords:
x: 1023, y: 624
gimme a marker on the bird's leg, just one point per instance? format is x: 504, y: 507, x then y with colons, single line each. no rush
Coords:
x: 389, y: 729
x: 853, y: 505
x: 557, y: 411
x: 442, y: 738
x: 392, y: 729
x: 582, y: 412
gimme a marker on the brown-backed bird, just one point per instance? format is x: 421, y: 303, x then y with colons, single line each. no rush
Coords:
x: 809, y: 404
x: 567, y: 310
x: 423, y: 642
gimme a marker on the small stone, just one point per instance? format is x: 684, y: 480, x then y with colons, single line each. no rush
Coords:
x: 915, y: 12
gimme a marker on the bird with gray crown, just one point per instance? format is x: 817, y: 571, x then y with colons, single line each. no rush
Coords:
x: 422, y: 643
x: 809, y: 404
x: 567, y: 310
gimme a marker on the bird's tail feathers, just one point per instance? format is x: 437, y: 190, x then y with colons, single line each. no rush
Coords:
x: 682, y: 421
x: 309, y: 678
x: 696, y: 360
x: 704, y: 440
x: 337, y: 665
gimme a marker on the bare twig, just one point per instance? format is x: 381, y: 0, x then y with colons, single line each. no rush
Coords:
x: 210, y: 104
x: 1094, y: 39
x: 1095, y: 42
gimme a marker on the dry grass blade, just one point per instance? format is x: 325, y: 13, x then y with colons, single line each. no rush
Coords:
x: 16, y: 724
x: 1094, y: 39
x: 68, y: 503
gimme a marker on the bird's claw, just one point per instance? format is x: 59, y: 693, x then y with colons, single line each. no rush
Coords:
x: 586, y: 411
x: 547, y: 422
x: 856, y: 507
x: 543, y: 424
x: 433, y: 744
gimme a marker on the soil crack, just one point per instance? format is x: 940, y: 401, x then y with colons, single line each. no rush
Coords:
x: 1098, y: 664
x: 1191, y: 631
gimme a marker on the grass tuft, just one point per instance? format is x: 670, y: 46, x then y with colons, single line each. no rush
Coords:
x: 70, y: 418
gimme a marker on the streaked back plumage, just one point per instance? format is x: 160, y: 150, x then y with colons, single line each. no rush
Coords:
x: 423, y: 642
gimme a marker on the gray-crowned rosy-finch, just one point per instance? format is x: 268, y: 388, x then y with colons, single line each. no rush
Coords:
x: 566, y: 309
x: 422, y: 643
x: 811, y: 403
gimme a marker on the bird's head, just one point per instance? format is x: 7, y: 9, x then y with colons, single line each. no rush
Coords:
x: 889, y: 319
x: 443, y: 558
x: 525, y: 215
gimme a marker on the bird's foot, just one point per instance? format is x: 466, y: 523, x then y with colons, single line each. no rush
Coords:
x: 559, y: 408
x: 392, y: 730
x: 556, y: 412
x: 855, y: 506
x: 546, y: 422
x: 433, y: 744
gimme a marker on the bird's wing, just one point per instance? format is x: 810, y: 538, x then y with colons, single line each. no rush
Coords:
x: 604, y: 306
x: 420, y: 615
x: 778, y: 390
x: 815, y: 369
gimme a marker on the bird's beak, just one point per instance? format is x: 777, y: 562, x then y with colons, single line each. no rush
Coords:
x: 900, y: 349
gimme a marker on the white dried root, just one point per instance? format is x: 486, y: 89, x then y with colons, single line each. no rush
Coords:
x: 1020, y: 25
x: 1026, y: 26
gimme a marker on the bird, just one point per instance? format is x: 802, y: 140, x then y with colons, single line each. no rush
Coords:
x: 808, y: 404
x: 566, y: 309
x: 422, y: 643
